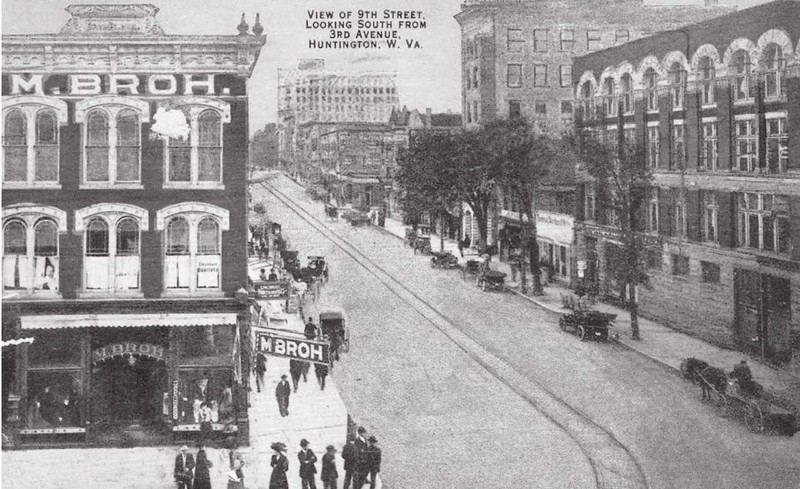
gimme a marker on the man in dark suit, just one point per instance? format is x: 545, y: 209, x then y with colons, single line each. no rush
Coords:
x: 184, y: 464
x: 360, y: 470
x: 373, y: 461
x: 282, y: 392
x: 349, y: 455
x: 307, y: 467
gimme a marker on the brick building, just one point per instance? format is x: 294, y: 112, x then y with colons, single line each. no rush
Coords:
x: 516, y: 61
x: 124, y: 229
x: 716, y: 108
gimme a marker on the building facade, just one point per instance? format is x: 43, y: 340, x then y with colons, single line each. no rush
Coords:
x: 124, y: 229
x: 715, y: 108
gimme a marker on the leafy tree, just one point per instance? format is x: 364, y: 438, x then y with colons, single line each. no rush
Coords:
x: 623, y: 179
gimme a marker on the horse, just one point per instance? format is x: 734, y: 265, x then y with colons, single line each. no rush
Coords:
x: 713, y: 377
x: 691, y: 367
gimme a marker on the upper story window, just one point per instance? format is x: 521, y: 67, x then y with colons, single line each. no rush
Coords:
x: 677, y: 85
x: 707, y: 81
x: 193, y: 246
x: 709, y: 153
x: 514, y: 109
x: 593, y: 40
x: 652, y: 211
x: 587, y: 100
x: 627, y: 93
x: 610, y: 97
x: 31, y: 140
x: 112, y: 140
x: 743, y: 88
x: 650, y: 92
x: 540, y: 75
x: 474, y: 77
x: 678, y: 153
x: 590, y: 203
x: 679, y: 228
x: 514, y: 75
x: 773, y: 66
x: 622, y: 35
x: 515, y: 42
x: 653, y: 148
x: 777, y: 143
x: 196, y: 161
x: 31, y: 248
x: 567, y: 40
x: 710, y: 212
x: 112, y: 257
x: 565, y: 75
x: 764, y: 222
x: 540, y: 40
x: 746, y: 144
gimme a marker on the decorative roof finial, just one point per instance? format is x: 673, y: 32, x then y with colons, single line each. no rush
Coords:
x: 258, y: 29
x: 243, y: 26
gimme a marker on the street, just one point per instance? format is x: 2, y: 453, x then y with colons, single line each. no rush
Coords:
x: 473, y: 389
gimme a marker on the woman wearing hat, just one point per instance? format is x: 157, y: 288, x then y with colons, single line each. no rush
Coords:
x: 202, y: 476
x: 329, y: 473
x: 280, y: 465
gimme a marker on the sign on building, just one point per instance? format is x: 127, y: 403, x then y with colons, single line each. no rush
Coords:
x: 272, y: 290
x: 293, y: 348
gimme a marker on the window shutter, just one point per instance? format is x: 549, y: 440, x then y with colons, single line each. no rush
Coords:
x: 665, y: 132
x: 725, y: 128
x: 726, y: 219
x: 693, y: 214
x: 692, y: 128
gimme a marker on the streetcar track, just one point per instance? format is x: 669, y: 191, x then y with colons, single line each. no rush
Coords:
x: 613, y: 464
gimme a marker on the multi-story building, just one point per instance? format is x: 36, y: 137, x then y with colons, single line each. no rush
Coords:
x: 716, y: 109
x: 516, y: 61
x: 312, y: 94
x: 124, y: 229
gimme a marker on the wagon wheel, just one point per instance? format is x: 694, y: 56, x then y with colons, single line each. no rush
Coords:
x: 582, y: 333
x: 754, y: 417
x: 433, y: 262
x: 563, y: 323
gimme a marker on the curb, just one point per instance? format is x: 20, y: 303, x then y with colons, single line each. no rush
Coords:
x: 653, y: 359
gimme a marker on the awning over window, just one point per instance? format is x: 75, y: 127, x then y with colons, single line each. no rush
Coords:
x: 125, y: 320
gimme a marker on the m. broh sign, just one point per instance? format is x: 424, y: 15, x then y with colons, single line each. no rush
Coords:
x: 293, y: 348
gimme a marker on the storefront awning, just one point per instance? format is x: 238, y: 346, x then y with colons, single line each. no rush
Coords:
x: 362, y: 180
x: 125, y: 320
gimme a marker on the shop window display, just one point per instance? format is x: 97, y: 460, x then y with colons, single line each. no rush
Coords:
x: 205, y: 395
x: 53, y: 399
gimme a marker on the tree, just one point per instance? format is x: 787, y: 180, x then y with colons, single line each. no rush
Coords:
x: 619, y: 170
x: 425, y: 173
x: 524, y: 161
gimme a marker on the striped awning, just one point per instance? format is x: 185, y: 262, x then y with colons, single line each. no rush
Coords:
x: 124, y: 320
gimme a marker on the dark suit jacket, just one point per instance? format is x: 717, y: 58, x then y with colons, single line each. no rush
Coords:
x: 349, y: 454
x: 307, y: 460
x: 329, y: 471
x: 283, y: 389
x: 184, y: 470
x: 373, y: 456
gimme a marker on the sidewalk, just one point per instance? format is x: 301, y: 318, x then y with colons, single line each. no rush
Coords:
x: 659, y: 343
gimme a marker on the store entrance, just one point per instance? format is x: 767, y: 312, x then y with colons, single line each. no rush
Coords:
x: 127, y: 391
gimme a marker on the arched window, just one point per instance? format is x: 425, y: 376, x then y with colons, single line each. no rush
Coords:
x: 650, y: 93
x: 178, y: 237
x: 627, y: 93
x: 707, y: 80
x: 180, y: 159
x: 208, y: 249
x: 609, y: 97
x: 45, y: 242
x: 587, y: 102
x: 210, y: 146
x: 46, y: 149
x: 30, y: 252
x: 97, y: 238
x: 15, y: 241
x: 208, y: 237
x: 97, y: 147
x: 16, y: 272
x: 128, y: 141
x: 15, y: 147
x: 773, y: 65
x: 677, y: 85
x: 127, y: 237
x: 741, y: 68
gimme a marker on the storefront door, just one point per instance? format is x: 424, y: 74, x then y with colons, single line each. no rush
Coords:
x: 762, y: 316
x: 127, y: 391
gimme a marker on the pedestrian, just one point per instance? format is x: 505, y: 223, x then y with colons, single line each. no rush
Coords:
x: 307, y: 468
x: 306, y: 366
x: 205, y: 419
x: 184, y: 465
x: 280, y: 465
x: 373, y: 460
x: 322, y: 371
x: 273, y: 276
x: 466, y: 242
x: 461, y: 248
x: 261, y: 369
x: 263, y: 276
x: 282, y: 392
x: 296, y: 371
x: 235, y: 480
x: 311, y: 329
x: 202, y: 475
x: 329, y: 473
x: 349, y: 455
x: 360, y: 469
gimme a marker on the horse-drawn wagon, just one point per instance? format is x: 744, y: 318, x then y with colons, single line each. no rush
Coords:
x: 587, y: 324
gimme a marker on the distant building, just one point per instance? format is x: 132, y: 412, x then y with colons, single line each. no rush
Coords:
x: 311, y: 94
x: 264, y: 147
x: 716, y: 106
x: 124, y: 237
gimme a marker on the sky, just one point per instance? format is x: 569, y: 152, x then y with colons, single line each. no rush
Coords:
x: 427, y: 77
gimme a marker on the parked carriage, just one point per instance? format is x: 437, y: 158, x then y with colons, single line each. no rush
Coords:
x: 333, y: 325
x: 472, y: 267
x: 586, y: 324
x: 492, y: 280
x: 332, y: 211
x: 444, y: 260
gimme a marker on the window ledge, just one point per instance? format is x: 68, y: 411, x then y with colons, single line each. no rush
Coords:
x: 709, y: 106
x: 115, y: 186
x: 110, y: 294
x: 31, y: 186
x: 12, y: 295
x: 195, y: 185
x: 746, y: 101
x: 213, y: 293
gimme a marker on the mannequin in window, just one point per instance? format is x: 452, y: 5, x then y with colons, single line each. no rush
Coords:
x: 48, y: 279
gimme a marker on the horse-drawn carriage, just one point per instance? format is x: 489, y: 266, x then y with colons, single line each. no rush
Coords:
x: 356, y: 218
x: 422, y: 244
x: 317, y: 267
x: 444, y: 260
x: 290, y: 261
x: 492, y: 280
x: 332, y: 212
x: 333, y: 325
x: 587, y: 324
x: 472, y: 267
x: 746, y: 400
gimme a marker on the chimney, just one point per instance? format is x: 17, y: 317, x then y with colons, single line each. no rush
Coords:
x: 428, y: 120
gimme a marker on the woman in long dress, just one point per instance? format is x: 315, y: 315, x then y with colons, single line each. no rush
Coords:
x: 202, y: 476
x: 280, y: 465
x: 234, y: 476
